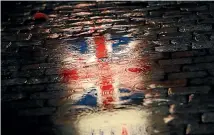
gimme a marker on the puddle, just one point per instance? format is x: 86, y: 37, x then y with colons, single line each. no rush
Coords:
x: 105, y: 65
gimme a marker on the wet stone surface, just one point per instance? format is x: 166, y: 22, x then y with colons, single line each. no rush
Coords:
x: 107, y: 68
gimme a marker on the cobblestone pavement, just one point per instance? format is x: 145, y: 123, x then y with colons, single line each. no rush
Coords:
x: 119, y: 68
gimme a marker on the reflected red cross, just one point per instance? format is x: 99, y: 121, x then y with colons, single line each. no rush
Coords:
x: 105, y: 75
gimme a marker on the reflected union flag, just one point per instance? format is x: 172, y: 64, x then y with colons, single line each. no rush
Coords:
x: 107, y: 76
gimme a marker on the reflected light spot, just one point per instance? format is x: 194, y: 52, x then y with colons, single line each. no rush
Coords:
x: 120, y: 122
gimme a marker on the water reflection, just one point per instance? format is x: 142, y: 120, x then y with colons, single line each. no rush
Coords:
x: 104, y: 64
x: 107, y: 73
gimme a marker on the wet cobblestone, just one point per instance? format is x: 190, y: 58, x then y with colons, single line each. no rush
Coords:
x: 158, y: 55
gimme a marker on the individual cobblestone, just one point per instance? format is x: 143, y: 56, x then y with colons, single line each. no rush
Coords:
x: 202, y: 81
x: 211, y: 51
x: 212, y: 37
x: 188, y: 19
x: 171, y: 68
x: 206, y: 21
x: 12, y: 62
x: 189, y: 90
x: 203, y: 59
x: 201, y: 45
x: 172, y: 14
x: 39, y: 66
x: 155, y: 13
x: 153, y: 56
x: 4, y: 89
x: 195, y: 28
x: 176, y: 35
x: 175, y: 61
x: 160, y: 42
x: 37, y: 80
x: 55, y: 78
x: 29, y: 43
x: 167, y: 30
x: 51, y: 95
x: 189, y: 54
x: 200, y: 37
x: 155, y: 3
x: 28, y: 104
x: 26, y: 89
x: 192, y: 109
x: 37, y: 111
x: 208, y: 117
x: 52, y: 71
x: 201, y: 99
x: 187, y: 75
x: 16, y: 81
x: 211, y: 72
x: 13, y: 97
x: 199, y: 8
x: 10, y: 69
x: 167, y: 84
x: 31, y: 73
x: 199, y: 129
x: 171, y: 48
x: 198, y: 67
